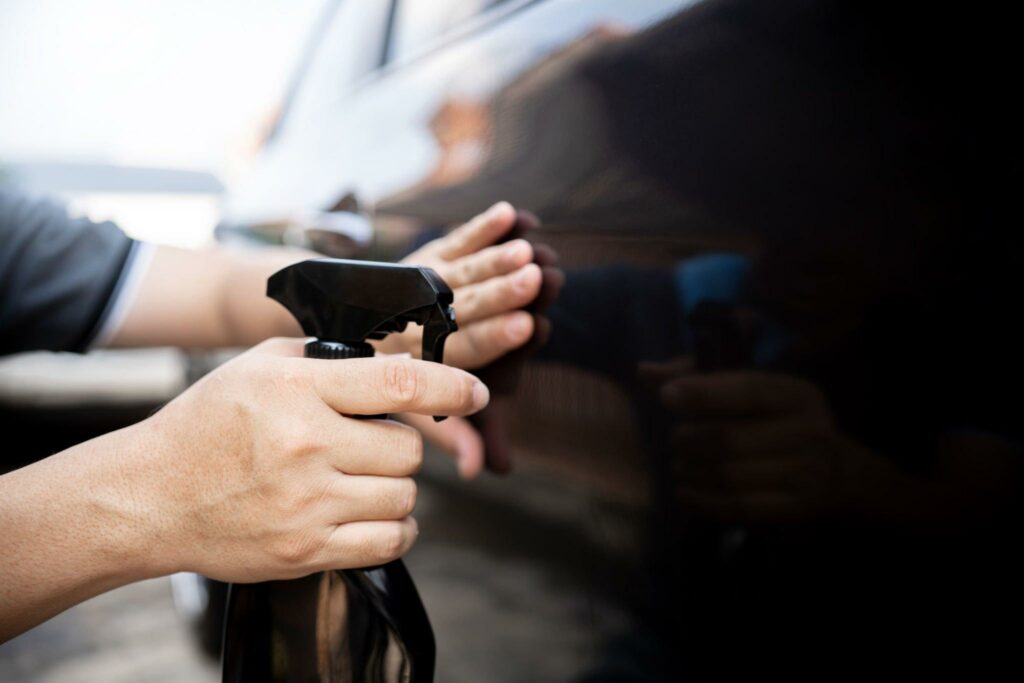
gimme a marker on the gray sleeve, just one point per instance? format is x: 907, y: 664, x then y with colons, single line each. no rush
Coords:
x: 58, y: 275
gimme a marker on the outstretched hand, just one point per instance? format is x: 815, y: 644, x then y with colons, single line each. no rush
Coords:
x: 502, y: 284
x: 491, y: 282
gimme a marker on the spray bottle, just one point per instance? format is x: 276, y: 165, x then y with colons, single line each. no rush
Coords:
x: 356, y: 625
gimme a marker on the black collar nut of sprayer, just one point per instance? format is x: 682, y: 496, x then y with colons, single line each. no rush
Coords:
x: 344, y: 303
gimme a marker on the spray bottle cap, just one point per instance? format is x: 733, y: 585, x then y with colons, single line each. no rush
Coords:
x: 344, y: 303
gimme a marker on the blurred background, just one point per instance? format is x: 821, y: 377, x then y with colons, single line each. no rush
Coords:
x: 139, y: 112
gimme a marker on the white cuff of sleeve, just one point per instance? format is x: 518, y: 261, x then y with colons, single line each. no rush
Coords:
x: 125, y: 291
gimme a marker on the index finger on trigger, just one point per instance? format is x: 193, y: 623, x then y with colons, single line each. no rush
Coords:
x: 371, y: 386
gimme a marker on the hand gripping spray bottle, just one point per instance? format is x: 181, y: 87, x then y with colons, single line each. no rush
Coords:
x: 355, y: 625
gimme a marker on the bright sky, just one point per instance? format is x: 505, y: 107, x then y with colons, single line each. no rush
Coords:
x: 165, y: 83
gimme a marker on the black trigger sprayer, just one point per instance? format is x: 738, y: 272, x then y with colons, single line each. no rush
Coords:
x: 344, y: 303
x: 345, y: 624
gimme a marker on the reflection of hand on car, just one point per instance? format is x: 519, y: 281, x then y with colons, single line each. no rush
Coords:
x: 758, y: 447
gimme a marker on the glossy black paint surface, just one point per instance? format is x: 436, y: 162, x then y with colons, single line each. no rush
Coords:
x: 791, y: 211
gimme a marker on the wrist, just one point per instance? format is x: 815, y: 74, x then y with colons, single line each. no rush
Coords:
x: 249, y: 316
x: 144, y: 503
x: 123, y: 504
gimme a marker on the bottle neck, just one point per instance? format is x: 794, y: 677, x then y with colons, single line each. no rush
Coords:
x: 338, y: 350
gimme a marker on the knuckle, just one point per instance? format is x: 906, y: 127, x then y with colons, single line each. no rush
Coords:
x: 464, y: 394
x: 394, y: 500
x: 270, y: 377
x: 294, y: 550
x: 510, y: 287
x: 294, y: 437
x: 286, y: 506
x: 468, y: 300
x: 407, y: 497
x: 250, y: 366
x: 269, y: 345
x: 464, y: 270
x: 412, y: 451
x: 479, y: 340
x: 280, y: 344
x: 282, y: 376
x: 401, y: 383
x: 457, y: 241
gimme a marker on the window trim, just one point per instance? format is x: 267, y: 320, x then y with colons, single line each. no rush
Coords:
x: 389, y: 33
x: 480, y: 22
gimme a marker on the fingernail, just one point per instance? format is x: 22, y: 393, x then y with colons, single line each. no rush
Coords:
x: 518, y: 327
x: 524, y: 278
x: 498, y: 208
x: 481, y: 396
x: 516, y: 252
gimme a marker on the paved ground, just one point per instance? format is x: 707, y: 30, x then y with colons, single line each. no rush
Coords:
x: 131, y: 634
x: 505, y: 573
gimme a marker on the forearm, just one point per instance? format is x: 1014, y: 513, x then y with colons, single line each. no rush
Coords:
x: 208, y: 299
x: 73, y: 526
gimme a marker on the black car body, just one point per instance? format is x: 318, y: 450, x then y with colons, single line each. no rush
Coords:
x: 795, y: 189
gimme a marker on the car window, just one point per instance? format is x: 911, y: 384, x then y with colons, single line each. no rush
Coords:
x: 419, y: 23
x: 346, y: 48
